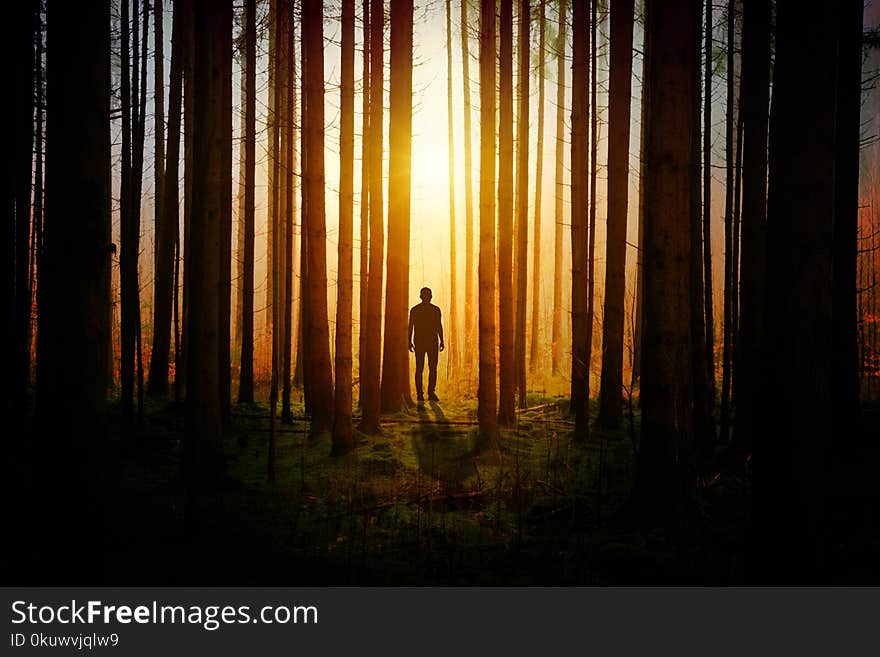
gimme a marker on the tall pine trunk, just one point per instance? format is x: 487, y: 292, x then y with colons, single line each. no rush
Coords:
x: 246, y: 296
x: 793, y: 440
x: 288, y: 143
x: 619, y: 101
x: 468, y: 195
x: 74, y: 299
x: 580, y: 112
x: 665, y: 475
x: 506, y: 368
x: 452, y: 338
x: 343, y: 439
x: 211, y: 186
x: 316, y: 336
x: 729, y: 282
x: 365, y: 192
x: 534, y: 348
x: 395, y: 357
x: 521, y: 219
x: 370, y: 397
x: 128, y: 233
x: 594, y: 170
x: 559, y: 177
x: 486, y: 393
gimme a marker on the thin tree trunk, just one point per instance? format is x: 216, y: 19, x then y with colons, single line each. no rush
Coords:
x: 580, y: 111
x: 486, y: 394
x: 468, y: 195
x: 707, y: 201
x: 395, y: 356
x: 665, y: 475
x: 343, y: 439
x: 316, y: 338
x: 452, y: 338
x: 370, y: 397
x: 534, y: 348
x: 246, y: 369
x: 619, y: 101
x: 846, y: 224
x: 728, y: 227
x: 558, y: 213
x: 27, y: 15
x: 272, y: 165
x: 127, y: 247
x: 507, y: 370
x: 168, y: 226
x: 187, y: 9
x: 594, y: 169
x: 521, y: 219
x: 365, y: 194
x: 159, y: 128
x: 289, y: 208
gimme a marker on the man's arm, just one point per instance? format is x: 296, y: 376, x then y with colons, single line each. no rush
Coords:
x: 440, y: 328
x: 410, y: 332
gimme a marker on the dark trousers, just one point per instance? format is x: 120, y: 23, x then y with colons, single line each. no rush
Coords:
x: 432, y: 352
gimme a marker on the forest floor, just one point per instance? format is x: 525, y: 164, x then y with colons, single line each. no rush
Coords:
x: 416, y: 506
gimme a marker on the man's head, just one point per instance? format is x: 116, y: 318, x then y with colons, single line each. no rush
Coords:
x: 425, y: 294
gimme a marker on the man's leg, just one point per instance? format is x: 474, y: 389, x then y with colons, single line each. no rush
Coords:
x: 420, y: 367
x: 432, y: 372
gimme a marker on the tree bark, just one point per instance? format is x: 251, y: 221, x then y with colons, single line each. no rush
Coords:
x: 212, y: 156
x: 289, y: 209
x: 370, y: 390
x: 791, y: 447
x: 486, y: 394
x: 521, y: 219
x: 365, y: 194
x: 507, y: 370
x: 665, y: 475
x: 343, y: 439
x: 558, y: 212
x: 246, y: 368
x: 534, y: 348
x: 580, y: 110
x: 395, y: 357
x: 468, y: 195
x: 619, y: 101
x: 316, y: 337
x: 74, y: 299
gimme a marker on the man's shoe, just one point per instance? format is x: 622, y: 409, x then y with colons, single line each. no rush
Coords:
x: 433, y: 397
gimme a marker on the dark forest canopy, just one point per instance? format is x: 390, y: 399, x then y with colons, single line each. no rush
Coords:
x: 651, y: 228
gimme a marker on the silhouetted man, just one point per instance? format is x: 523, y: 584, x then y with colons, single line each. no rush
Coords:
x: 425, y: 329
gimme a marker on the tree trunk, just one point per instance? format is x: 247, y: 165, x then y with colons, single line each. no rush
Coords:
x: 507, y: 371
x: 316, y: 337
x: 521, y: 219
x: 619, y: 99
x: 665, y: 475
x: 728, y: 227
x: 25, y: 21
x: 365, y: 194
x: 168, y: 225
x: 468, y: 196
x: 846, y: 213
x: 246, y: 369
x: 74, y: 299
x: 370, y: 397
x: 158, y: 132
x: 558, y: 213
x: 709, y: 311
x: 580, y: 112
x: 212, y: 158
x: 452, y: 338
x: 534, y: 348
x: 395, y: 357
x: 272, y: 165
x: 128, y: 233
x: 187, y: 9
x: 289, y: 209
x: 791, y: 448
x: 594, y: 169
x: 343, y: 439
x: 486, y: 394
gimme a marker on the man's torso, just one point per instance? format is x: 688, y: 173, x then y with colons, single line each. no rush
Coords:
x: 426, y: 324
